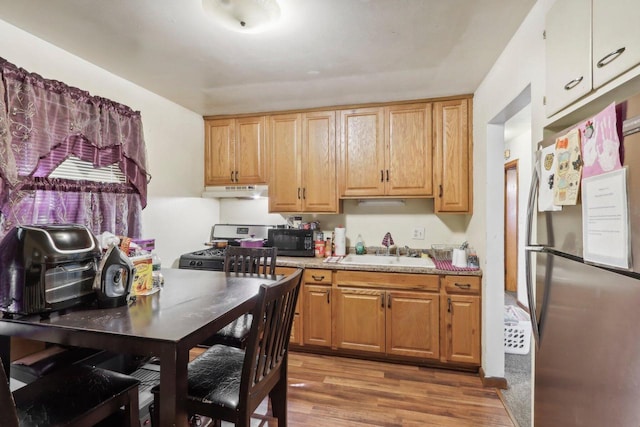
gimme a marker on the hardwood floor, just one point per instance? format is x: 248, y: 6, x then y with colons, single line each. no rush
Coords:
x: 342, y: 392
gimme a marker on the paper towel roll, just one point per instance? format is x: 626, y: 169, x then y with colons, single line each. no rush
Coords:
x: 459, y: 258
x: 340, y: 241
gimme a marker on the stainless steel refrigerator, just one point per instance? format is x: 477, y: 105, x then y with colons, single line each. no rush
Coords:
x: 585, y: 317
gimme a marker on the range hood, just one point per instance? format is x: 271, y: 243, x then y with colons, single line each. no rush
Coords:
x: 236, y: 191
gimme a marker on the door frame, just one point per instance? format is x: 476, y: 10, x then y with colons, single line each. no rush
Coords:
x: 512, y: 165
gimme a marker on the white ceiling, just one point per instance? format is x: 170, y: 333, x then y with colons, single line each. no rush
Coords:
x: 323, y: 53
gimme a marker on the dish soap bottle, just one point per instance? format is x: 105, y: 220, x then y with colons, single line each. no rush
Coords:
x: 359, y: 245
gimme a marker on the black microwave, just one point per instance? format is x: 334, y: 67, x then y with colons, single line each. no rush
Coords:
x: 291, y: 241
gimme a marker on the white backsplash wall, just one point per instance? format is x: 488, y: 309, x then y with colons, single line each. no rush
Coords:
x: 370, y: 222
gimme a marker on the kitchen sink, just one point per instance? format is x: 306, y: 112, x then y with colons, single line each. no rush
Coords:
x: 390, y: 260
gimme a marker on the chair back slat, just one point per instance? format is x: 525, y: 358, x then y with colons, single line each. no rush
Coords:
x: 9, y: 416
x: 250, y: 260
x: 270, y: 331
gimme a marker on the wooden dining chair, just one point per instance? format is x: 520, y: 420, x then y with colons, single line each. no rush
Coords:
x: 241, y: 260
x: 228, y: 383
x: 77, y: 396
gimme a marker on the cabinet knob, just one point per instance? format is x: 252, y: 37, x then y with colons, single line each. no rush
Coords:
x: 304, y: 193
x: 298, y: 192
x: 449, y: 305
x: 440, y: 190
x: 462, y: 285
x: 387, y: 175
x: 382, y: 300
x: 236, y: 176
x: 317, y: 278
x: 381, y: 175
x: 231, y: 176
x: 388, y: 301
x: 610, y: 57
x: 328, y: 296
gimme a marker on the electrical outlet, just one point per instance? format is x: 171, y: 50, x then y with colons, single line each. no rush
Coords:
x: 418, y: 233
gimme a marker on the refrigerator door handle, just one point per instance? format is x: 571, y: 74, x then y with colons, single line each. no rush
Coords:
x: 531, y: 248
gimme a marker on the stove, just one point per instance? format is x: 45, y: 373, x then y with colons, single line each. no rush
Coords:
x: 213, y: 258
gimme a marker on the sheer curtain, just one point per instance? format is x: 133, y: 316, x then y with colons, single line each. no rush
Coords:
x: 42, y: 123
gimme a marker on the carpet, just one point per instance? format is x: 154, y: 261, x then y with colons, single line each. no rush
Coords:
x: 517, y: 370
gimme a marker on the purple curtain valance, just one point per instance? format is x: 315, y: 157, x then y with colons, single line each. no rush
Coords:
x: 42, y: 119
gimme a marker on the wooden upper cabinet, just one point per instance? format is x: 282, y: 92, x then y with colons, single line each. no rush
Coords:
x: 408, y: 150
x: 285, y: 140
x: 386, y: 151
x: 452, y: 159
x: 319, y: 174
x: 303, y: 159
x: 362, y: 153
x: 235, y: 151
x: 219, y: 151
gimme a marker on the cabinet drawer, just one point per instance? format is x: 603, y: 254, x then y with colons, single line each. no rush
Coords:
x: 461, y: 284
x: 421, y: 282
x: 316, y: 276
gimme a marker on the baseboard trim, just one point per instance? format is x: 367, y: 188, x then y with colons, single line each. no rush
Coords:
x: 495, y: 382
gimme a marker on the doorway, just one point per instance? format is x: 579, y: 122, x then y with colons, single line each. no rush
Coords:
x: 511, y: 226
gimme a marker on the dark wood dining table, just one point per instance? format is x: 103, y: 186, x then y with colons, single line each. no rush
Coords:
x: 191, y: 307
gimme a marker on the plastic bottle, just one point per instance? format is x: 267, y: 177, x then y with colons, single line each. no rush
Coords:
x: 359, y: 245
x: 156, y: 265
x: 328, y: 248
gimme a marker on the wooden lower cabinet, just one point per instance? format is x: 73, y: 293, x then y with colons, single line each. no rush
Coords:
x: 317, y: 292
x: 296, y: 328
x: 413, y: 324
x: 374, y: 313
x: 360, y: 319
x: 460, y: 308
x: 396, y: 316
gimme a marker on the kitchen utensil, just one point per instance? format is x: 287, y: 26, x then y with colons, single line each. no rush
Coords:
x: 250, y: 242
x: 218, y: 243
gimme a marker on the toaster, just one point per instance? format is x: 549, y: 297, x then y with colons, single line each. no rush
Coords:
x: 45, y: 268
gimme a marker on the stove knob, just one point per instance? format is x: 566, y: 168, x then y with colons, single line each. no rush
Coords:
x: 192, y: 263
x: 199, y: 263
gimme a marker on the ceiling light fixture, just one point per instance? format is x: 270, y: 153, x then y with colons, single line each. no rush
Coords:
x: 245, y: 16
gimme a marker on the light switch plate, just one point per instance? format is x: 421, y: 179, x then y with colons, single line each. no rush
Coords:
x: 418, y: 233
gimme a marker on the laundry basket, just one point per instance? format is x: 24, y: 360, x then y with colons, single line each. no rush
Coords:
x: 517, y: 330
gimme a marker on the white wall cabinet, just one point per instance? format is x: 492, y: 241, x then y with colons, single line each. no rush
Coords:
x: 616, y: 38
x: 588, y: 45
x: 568, y: 53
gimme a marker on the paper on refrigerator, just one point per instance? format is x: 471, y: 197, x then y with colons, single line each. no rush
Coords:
x: 600, y: 143
x: 546, y: 172
x: 566, y: 182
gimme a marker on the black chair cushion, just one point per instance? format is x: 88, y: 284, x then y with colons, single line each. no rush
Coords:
x: 235, y: 333
x: 67, y: 394
x: 214, y: 376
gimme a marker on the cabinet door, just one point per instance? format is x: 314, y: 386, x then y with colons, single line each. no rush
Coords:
x: 250, y: 151
x: 409, y: 153
x: 413, y: 324
x: 296, y: 329
x: 316, y: 315
x: 319, y: 187
x: 360, y: 319
x: 219, y: 152
x: 361, y: 170
x: 461, y: 322
x: 285, y: 190
x: 567, y: 53
x: 616, y: 38
x: 453, y: 156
